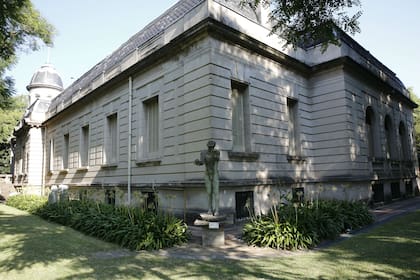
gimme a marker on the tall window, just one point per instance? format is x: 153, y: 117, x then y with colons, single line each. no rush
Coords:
x: 51, y: 159
x: 84, y: 146
x: 293, y: 124
x: 240, y: 118
x: 405, y: 155
x: 388, y: 137
x: 66, y: 150
x: 23, y: 161
x: 370, y: 120
x: 151, y: 109
x: 111, y: 139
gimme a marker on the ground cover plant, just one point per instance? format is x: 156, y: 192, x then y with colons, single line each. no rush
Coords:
x: 29, y: 203
x: 130, y: 227
x: 294, y: 226
x: 32, y: 248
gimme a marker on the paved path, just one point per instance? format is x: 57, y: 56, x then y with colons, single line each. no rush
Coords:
x: 235, y: 248
x: 392, y: 210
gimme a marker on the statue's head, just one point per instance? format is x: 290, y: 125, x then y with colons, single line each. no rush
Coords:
x: 211, y: 144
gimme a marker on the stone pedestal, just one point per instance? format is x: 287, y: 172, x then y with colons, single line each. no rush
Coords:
x: 213, y: 237
x: 212, y: 232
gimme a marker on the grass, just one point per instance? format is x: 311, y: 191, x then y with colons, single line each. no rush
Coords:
x: 31, y: 248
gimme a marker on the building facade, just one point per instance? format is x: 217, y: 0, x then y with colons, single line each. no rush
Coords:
x: 337, y: 124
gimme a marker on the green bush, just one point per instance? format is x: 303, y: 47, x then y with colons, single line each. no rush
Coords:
x: 306, y: 223
x: 133, y: 228
x: 29, y: 203
x: 268, y: 231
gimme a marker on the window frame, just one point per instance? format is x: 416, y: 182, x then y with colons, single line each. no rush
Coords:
x: 389, y: 138
x: 405, y: 154
x: 151, y: 113
x: 65, y: 160
x: 51, y: 159
x: 84, y: 146
x: 111, y: 141
x: 294, y: 149
x: 370, y: 123
x: 145, y: 156
x: 241, y: 124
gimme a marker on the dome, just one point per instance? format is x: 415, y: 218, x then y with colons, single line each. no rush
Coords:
x: 46, y: 77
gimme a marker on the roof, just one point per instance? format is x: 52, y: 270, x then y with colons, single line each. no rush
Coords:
x: 145, y: 39
x: 46, y: 77
x: 153, y: 29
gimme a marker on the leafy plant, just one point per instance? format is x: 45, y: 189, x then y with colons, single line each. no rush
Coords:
x: 304, y: 225
x: 29, y: 203
x: 268, y: 231
x: 133, y: 228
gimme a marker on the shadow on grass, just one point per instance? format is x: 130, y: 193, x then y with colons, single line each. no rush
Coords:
x: 390, y: 251
x: 28, y: 240
x: 386, y: 252
x: 150, y: 267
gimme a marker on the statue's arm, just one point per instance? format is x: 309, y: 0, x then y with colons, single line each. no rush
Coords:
x: 201, y: 160
x: 217, y: 155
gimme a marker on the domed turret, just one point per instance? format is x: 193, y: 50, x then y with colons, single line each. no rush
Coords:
x: 45, y: 84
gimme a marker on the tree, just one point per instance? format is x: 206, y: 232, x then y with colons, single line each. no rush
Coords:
x: 416, y: 116
x: 22, y: 28
x: 305, y: 22
x: 9, y: 117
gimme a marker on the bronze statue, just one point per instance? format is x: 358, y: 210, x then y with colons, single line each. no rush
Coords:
x: 210, y: 158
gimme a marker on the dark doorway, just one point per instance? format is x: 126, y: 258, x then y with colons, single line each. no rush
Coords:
x: 244, y: 204
x: 378, y: 193
x: 395, y: 190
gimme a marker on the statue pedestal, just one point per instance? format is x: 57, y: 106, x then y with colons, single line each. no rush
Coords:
x: 212, y: 232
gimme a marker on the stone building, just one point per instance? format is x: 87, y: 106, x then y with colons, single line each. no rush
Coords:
x: 337, y: 124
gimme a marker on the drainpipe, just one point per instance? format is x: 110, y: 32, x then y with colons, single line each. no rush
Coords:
x: 130, y: 97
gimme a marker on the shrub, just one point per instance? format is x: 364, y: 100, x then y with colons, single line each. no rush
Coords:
x: 269, y: 231
x: 133, y: 228
x: 306, y: 223
x: 130, y: 227
x: 356, y: 215
x: 29, y: 203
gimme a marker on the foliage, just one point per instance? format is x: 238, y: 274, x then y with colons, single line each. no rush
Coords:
x: 305, y: 22
x: 29, y: 203
x: 269, y: 231
x: 132, y: 228
x: 21, y: 28
x: 9, y: 118
x: 294, y: 226
x: 416, y: 116
x: 329, y: 218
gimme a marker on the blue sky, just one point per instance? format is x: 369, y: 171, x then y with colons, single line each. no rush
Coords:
x: 89, y: 30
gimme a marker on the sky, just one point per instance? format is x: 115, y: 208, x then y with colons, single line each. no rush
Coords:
x: 89, y: 30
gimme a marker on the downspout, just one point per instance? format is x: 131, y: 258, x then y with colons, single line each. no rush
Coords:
x: 130, y: 97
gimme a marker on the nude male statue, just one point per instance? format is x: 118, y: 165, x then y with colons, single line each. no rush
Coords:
x: 210, y: 158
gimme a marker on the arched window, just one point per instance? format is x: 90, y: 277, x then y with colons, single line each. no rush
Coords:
x: 404, y: 144
x: 389, y: 143
x: 370, y: 132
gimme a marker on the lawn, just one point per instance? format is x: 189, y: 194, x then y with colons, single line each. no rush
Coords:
x: 31, y: 248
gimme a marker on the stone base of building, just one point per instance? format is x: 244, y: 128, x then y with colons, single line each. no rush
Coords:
x: 29, y: 190
x: 241, y: 200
